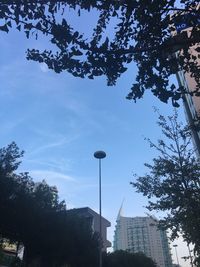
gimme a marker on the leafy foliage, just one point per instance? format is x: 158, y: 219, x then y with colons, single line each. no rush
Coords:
x: 142, y: 33
x: 32, y: 215
x: 123, y: 258
x: 172, y: 184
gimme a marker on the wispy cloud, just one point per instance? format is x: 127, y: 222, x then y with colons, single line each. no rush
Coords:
x: 49, y: 145
x: 68, y: 186
x: 57, y: 143
x: 10, y: 125
x: 50, y: 175
x: 61, y: 165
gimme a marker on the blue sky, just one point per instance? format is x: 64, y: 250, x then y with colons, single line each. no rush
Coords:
x: 60, y: 121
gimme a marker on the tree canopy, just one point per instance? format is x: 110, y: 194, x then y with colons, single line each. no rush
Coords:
x: 125, y: 31
x: 32, y: 215
x: 172, y: 184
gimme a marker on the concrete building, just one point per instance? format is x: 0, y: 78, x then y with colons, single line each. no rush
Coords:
x: 141, y: 234
x: 185, y: 79
x: 192, y: 108
x: 93, y: 219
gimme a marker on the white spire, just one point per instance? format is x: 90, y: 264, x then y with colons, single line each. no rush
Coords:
x: 120, y: 213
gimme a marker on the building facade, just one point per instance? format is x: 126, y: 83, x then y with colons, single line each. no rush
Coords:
x: 94, y: 220
x: 141, y: 234
x: 186, y: 80
x: 192, y: 108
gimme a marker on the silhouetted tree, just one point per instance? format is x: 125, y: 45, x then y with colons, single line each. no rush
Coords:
x: 173, y: 184
x: 123, y: 258
x: 32, y: 215
x: 126, y: 31
x: 62, y: 238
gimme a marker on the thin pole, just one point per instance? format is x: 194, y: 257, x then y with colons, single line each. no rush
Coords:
x: 100, y: 155
x: 176, y: 255
x: 100, y: 217
x: 191, y: 261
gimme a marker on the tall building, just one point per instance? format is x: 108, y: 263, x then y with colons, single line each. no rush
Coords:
x: 141, y: 234
x: 94, y: 220
x: 192, y: 108
x: 186, y: 80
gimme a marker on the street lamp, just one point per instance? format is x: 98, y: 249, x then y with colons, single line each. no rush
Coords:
x: 100, y: 155
x: 175, y: 246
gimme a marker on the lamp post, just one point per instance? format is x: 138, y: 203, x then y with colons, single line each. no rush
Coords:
x: 100, y: 155
x: 175, y: 246
x: 190, y: 255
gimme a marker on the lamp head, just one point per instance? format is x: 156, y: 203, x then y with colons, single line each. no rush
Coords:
x: 99, y: 154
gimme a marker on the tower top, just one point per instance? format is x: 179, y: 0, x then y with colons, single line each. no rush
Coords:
x: 120, y: 213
